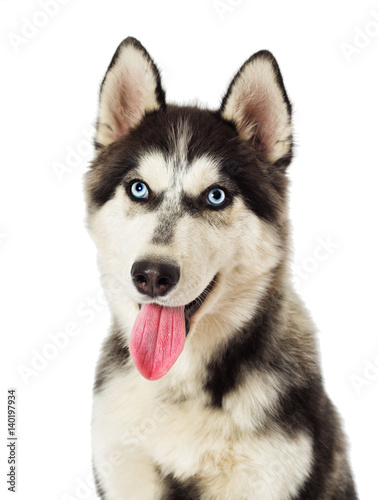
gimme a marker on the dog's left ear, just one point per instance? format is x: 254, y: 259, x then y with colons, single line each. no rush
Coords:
x: 257, y: 104
x: 131, y: 88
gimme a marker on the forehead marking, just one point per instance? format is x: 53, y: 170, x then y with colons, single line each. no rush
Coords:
x: 173, y: 173
x: 201, y: 174
x: 180, y: 136
x: 173, y: 177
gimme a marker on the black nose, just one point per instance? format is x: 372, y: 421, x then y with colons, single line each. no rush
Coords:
x: 154, y: 279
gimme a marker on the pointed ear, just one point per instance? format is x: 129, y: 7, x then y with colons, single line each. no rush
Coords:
x: 131, y: 88
x: 257, y: 103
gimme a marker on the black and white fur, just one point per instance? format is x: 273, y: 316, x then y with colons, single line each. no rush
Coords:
x: 243, y: 413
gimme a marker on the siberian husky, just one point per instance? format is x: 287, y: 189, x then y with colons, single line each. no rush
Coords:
x: 209, y: 385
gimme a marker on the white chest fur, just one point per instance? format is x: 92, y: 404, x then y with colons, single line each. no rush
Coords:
x: 228, y: 451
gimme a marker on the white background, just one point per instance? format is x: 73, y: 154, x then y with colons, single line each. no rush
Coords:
x: 49, y: 89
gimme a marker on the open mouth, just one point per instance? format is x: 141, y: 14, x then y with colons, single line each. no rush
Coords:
x: 191, y: 308
x: 158, y: 335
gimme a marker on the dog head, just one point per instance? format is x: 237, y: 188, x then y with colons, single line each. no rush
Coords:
x: 187, y: 205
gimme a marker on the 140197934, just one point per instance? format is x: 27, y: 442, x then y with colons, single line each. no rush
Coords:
x: 12, y: 440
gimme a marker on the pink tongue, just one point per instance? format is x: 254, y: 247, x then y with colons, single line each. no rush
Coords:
x: 157, y: 339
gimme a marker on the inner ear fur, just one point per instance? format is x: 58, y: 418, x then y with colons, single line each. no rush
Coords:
x: 131, y: 88
x: 257, y: 104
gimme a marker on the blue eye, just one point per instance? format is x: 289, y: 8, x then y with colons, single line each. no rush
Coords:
x: 216, y: 197
x: 139, y: 190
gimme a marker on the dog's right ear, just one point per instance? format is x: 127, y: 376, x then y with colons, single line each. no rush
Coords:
x: 131, y: 88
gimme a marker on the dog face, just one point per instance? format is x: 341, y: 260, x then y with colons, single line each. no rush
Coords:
x: 187, y: 204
